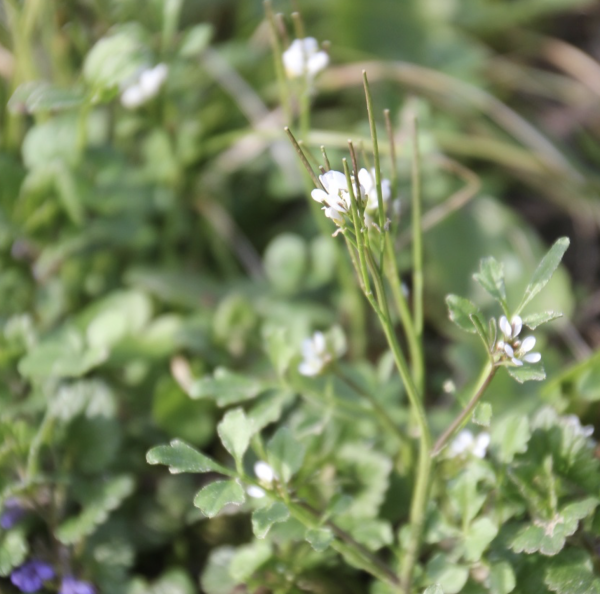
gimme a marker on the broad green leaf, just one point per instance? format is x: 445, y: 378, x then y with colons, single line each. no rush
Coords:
x: 534, y: 320
x: 502, y: 578
x: 572, y: 572
x: 215, y: 578
x: 265, y: 517
x: 434, y: 589
x: 248, y: 558
x: 482, y: 415
x: 180, y: 457
x: 117, y: 58
x: 371, y: 533
x: 64, y: 355
x: 491, y: 278
x: 226, y: 387
x: 286, y: 262
x: 548, y: 537
x: 510, y: 436
x: 212, y: 498
x: 527, y: 372
x: 442, y: 570
x: 285, y: 454
x: 107, y: 497
x: 544, y: 271
x: 235, y: 431
x: 460, y: 311
x: 319, y: 538
x: 13, y: 550
x: 478, y: 537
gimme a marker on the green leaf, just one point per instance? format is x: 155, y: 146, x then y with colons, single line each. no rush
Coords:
x: 482, y: 415
x: 268, y: 408
x: 285, y: 454
x: 68, y: 192
x: 527, y: 372
x: 248, y: 558
x: 371, y: 532
x: 235, y: 431
x: 460, y: 311
x: 481, y: 329
x: 180, y: 457
x: 286, y: 262
x: 548, y: 537
x: 572, y: 572
x: 502, y: 578
x: 434, y: 589
x: 478, y: 537
x: 441, y: 570
x: 491, y: 278
x: 216, y: 578
x: 510, y: 436
x: 544, y: 271
x: 117, y: 58
x: 534, y: 320
x: 319, y: 538
x: 106, y: 497
x: 64, y: 355
x: 212, y: 498
x: 265, y: 517
x: 195, y: 40
x: 13, y: 551
x: 226, y: 387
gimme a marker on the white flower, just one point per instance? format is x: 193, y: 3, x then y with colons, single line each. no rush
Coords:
x: 465, y: 442
x: 316, y: 355
x: 335, y: 196
x: 511, y: 347
x: 146, y: 86
x: 304, y: 58
x: 255, y: 492
x: 264, y: 472
x: 367, y: 180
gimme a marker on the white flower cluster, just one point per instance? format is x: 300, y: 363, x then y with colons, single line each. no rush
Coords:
x: 303, y: 58
x: 465, y: 442
x: 511, y: 347
x: 146, y: 86
x: 336, y: 198
x: 266, y: 475
x: 316, y: 355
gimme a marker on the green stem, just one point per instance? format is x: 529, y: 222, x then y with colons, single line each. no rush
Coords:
x: 378, y: 409
x: 419, y: 499
x: 484, y: 381
x: 417, y: 235
x: 414, y: 345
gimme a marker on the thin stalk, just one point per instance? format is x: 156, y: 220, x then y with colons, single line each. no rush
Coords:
x: 282, y: 81
x: 414, y: 345
x: 417, y: 250
x: 419, y: 499
x: 393, y: 162
x: 486, y: 377
x: 378, y: 409
x: 316, y: 181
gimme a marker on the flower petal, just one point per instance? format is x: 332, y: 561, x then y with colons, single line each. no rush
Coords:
x: 527, y: 344
x: 532, y: 357
x: 517, y: 324
x: 317, y: 62
x: 505, y: 327
x: 517, y: 362
x: 509, y: 350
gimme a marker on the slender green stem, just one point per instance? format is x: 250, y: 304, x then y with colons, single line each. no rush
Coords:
x: 417, y: 235
x: 414, y: 345
x: 484, y: 381
x: 419, y: 500
x: 378, y: 409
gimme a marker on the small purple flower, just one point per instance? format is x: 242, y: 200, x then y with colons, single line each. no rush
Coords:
x: 70, y: 585
x: 31, y: 575
x: 12, y: 513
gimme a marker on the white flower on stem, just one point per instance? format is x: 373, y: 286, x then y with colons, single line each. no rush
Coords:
x: 315, y: 355
x: 335, y: 196
x: 367, y: 181
x: 466, y: 442
x: 511, y: 347
x: 146, y: 86
x: 303, y: 58
x: 255, y: 492
x: 264, y: 472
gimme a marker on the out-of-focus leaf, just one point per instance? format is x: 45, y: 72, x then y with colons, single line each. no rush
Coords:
x: 265, y: 517
x: 491, y: 278
x: 212, y: 498
x: 195, y: 40
x: 510, y: 436
x: 482, y: 415
x: 478, y: 537
x: 13, y: 550
x: 39, y: 96
x: 502, y: 578
x: 527, y: 372
x: 319, y: 538
x: 235, y: 431
x: 286, y: 261
x: 285, y: 454
x: 537, y: 319
x: 441, y: 570
x: 248, y: 558
x: 226, y: 387
x: 107, y: 497
x: 180, y: 457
